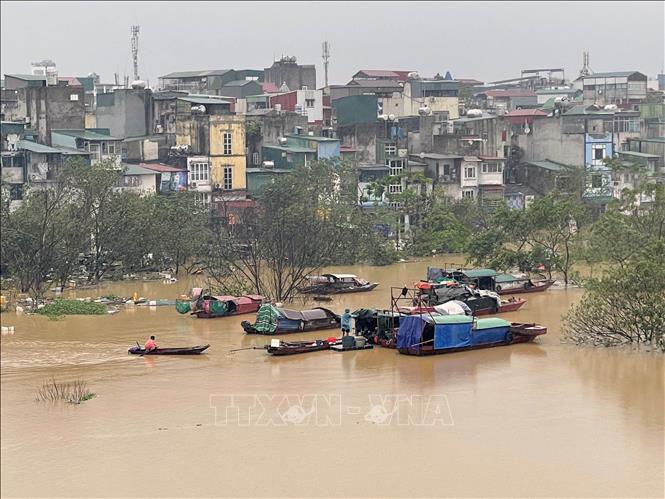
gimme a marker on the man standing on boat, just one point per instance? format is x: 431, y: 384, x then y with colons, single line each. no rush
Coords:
x: 150, y: 344
x: 346, y: 322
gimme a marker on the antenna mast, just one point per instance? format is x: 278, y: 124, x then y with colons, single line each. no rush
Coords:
x: 326, y: 58
x: 586, y: 70
x: 134, y: 30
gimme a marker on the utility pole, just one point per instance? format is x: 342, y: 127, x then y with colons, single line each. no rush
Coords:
x: 326, y: 58
x: 134, y: 30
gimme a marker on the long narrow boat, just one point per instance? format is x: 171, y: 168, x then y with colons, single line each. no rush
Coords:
x: 296, y: 347
x: 274, y: 320
x: 195, y: 350
x: 329, y: 284
x: 491, y: 280
x: 432, y: 335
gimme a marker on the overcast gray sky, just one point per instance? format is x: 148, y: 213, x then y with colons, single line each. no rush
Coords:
x: 483, y: 40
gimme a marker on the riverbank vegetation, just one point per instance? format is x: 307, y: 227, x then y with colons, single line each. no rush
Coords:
x: 62, y: 307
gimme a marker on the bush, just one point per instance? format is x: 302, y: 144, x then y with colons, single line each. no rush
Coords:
x: 73, y: 392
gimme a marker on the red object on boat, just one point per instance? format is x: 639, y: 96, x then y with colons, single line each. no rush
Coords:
x: 331, y: 339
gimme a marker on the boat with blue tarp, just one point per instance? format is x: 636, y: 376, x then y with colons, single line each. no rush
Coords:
x: 438, y: 334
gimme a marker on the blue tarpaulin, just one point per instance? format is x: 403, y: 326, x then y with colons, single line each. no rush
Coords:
x: 410, y: 331
x: 452, y: 335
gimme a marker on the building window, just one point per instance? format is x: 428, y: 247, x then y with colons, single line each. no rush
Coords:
x: 596, y: 181
x: 198, y: 172
x: 470, y: 172
x: 93, y: 149
x: 255, y: 158
x: 228, y: 178
x: 390, y: 149
x: 467, y: 194
x: 227, y: 144
x: 111, y: 148
x: 16, y: 192
x: 202, y: 198
x: 396, y: 167
x: 131, y: 181
x: 395, y: 189
x: 309, y: 102
x: 492, y: 168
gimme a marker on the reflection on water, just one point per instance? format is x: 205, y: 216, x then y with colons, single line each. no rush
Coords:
x: 580, y: 422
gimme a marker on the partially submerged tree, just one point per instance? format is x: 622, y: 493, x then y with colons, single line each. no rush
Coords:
x: 302, y: 221
x: 626, y: 304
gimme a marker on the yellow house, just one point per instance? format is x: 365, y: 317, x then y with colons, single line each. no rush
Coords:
x: 217, y: 144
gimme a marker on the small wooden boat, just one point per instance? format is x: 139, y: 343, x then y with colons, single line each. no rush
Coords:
x: 295, y: 347
x: 519, y: 286
x: 342, y: 348
x: 322, y: 298
x: 432, y: 335
x: 329, y: 284
x: 207, y: 306
x: 195, y: 350
x: 273, y: 320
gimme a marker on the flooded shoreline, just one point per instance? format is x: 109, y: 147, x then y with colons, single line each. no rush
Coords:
x: 544, y: 419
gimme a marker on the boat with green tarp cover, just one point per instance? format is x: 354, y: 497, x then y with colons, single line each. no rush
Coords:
x: 274, y: 320
x: 206, y: 306
x: 437, y: 334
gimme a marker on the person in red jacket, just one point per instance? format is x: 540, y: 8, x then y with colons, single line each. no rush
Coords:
x: 150, y: 344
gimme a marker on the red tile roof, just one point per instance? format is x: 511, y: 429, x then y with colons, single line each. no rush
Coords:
x: 269, y: 87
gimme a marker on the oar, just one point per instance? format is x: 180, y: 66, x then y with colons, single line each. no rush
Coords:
x: 422, y: 343
x: 248, y: 348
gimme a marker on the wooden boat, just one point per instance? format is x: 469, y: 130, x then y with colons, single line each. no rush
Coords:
x: 491, y: 280
x: 342, y: 348
x: 296, y: 347
x: 274, y: 320
x: 207, y: 306
x: 195, y: 350
x: 432, y: 335
x: 328, y: 284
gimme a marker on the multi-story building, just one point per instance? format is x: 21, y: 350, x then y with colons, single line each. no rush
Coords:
x: 213, y: 142
x: 100, y: 145
x: 225, y: 82
x: 623, y: 88
x: 305, y: 102
x: 286, y: 71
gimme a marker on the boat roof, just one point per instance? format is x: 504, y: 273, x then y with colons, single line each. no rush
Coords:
x: 510, y: 278
x: 474, y: 273
x: 341, y: 276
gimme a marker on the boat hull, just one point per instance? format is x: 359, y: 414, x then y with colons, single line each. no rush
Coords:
x: 331, y: 290
x: 544, y: 286
x: 195, y: 350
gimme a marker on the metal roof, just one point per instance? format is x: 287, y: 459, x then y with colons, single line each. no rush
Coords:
x: 238, y: 83
x: 195, y: 74
x: 267, y: 170
x: 204, y: 100
x: 316, y: 138
x: 548, y: 165
x: 85, y: 134
x: 433, y: 155
x: 475, y: 273
x: 137, y: 170
x: 638, y: 154
x: 613, y: 74
x: 290, y: 148
x: 554, y: 91
x: 340, y: 276
x: 28, y: 77
x: 161, y: 168
x: 373, y: 84
x: 36, y: 147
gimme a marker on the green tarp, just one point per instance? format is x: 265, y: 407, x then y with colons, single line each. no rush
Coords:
x: 266, y: 319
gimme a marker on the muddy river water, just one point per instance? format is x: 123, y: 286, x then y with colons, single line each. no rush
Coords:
x: 540, y: 420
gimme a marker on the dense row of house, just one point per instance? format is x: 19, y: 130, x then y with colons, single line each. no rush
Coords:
x: 225, y: 133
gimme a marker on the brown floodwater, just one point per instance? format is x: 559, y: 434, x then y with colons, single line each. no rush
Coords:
x: 540, y: 420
